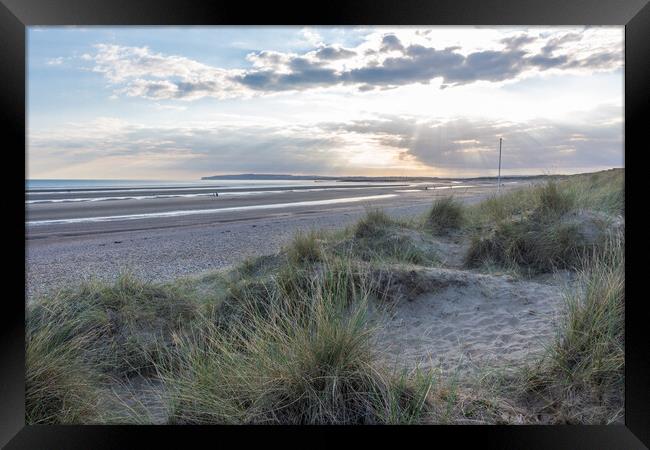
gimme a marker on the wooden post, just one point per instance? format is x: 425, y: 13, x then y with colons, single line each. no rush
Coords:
x: 499, y: 177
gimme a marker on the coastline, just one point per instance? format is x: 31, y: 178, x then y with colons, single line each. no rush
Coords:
x: 161, y: 249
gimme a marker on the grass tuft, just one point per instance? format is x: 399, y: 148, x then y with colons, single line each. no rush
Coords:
x: 128, y: 320
x: 60, y: 386
x: 553, y: 200
x: 305, y: 248
x: 308, y: 359
x: 446, y: 215
x: 581, y: 379
x: 379, y: 238
x: 539, y: 229
x: 375, y: 223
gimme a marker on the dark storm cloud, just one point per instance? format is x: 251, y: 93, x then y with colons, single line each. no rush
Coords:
x: 305, y: 73
x: 548, y: 62
x: 269, y: 80
x: 422, y: 64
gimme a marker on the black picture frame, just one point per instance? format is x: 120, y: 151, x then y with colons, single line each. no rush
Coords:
x: 16, y: 15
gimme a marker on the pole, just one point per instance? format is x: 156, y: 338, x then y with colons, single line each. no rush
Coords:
x: 499, y: 177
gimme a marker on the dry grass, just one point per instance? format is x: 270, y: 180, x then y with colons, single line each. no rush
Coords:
x: 581, y: 380
x: 305, y: 248
x: 446, y: 215
x: 60, y: 386
x: 379, y: 238
x: 540, y: 229
x: 307, y: 358
x: 127, y: 320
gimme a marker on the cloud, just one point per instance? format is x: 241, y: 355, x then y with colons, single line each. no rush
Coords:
x: 460, y: 144
x: 556, y: 43
x: 304, y: 73
x: 137, y: 71
x: 199, y: 149
x: 55, y: 61
x: 385, y: 61
x: 516, y: 42
x: 311, y: 36
x: 333, y: 53
x: 391, y: 42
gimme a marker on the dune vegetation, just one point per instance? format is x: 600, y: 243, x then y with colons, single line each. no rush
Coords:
x: 290, y: 338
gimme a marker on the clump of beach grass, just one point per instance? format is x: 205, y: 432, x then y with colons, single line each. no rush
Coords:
x: 374, y: 223
x: 601, y: 191
x: 379, y: 238
x: 538, y: 229
x: 308, y: 359
x: 553, y: 200
x: 61, y: 387
x: 305, y: 248
x: 581, y: 379
x: 127, y: 319
x: 533, y: 246
x: 445, y: 215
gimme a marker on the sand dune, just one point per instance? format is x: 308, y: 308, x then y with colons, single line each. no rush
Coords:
x: 470, y: 320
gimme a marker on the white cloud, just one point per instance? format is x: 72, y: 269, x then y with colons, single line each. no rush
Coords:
x: 55, y: 61
x: 384, y: 60
x: 386, y: 144
x: 139, y: 72
x: 311, y: 36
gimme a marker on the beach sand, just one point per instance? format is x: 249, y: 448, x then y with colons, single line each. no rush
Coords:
x: 161, y: 249
x: 471, y: 322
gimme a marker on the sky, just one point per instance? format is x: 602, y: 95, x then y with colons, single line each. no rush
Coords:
x: 176, y: 103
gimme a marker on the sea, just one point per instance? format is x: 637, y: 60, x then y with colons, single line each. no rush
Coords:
x: 74, y: 184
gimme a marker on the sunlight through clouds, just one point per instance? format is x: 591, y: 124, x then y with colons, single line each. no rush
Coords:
x: 322, y: 100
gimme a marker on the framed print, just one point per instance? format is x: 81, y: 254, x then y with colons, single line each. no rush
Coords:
x: 379, y: 217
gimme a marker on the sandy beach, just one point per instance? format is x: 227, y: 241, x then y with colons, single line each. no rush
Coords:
x: 161, y: 248
x: 472, y: 321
